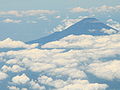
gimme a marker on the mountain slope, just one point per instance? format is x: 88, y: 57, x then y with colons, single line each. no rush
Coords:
x: 89, y: 26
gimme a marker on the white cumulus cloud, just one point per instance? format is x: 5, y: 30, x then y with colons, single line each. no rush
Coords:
x: 107, y: 70
x: 9, y: 43
x: 22, y: 79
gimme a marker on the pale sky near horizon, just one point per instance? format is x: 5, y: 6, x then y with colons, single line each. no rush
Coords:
x: 53, y: 4
x: 31, y: 19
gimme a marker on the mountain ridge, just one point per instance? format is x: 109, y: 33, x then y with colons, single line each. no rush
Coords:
x: 88, y: 26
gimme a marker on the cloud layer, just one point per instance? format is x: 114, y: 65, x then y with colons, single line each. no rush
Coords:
x: 70, y: 66
x: 9, y: 43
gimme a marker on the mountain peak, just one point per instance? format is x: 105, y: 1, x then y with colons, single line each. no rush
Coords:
x: 88, y: 26
x: 90, y: 20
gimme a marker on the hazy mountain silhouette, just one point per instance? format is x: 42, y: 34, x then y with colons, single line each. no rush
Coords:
x: 89, y: 26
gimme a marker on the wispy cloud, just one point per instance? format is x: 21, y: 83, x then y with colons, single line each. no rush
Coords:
x: 11, y: 21
x: 103, y: 8
x: 78, y: 10
x: 27, y: 12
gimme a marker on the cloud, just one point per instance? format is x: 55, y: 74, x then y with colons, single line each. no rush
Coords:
x: 26, y: 13
x: 66, y: 68
x: 15, y: 13
x: 103, y: 8
x: 58, y: 17
x: 9, y: 43
x: 76, y: 86
x: 45, y: 79
x: 22, y: 79
x: 14, y: 68
x: 11, y: 21
x: 3, y: 75
x: 71, y: 84
x: 78, y: 9
x: 109, y: 31
x: 107, y: 70
x: 49, y: 81
x: 43, y: 18
x: 36, y: 86
x: 32, y: 54
x: 71, y: 72
x: 38, y: 67
x: 37, y: 12
x: 13, y: 88
x: 12, y: 61
x: 113, y: 24
x: 85, y: 41
x: 24, y: 89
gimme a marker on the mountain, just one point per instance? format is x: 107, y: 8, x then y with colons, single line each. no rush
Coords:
x: 89, y: 26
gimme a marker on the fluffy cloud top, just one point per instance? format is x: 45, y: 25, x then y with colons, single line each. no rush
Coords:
x: 106, y: 70
x: 9, y: 43
x: 69, y: 72
x: 86, y: 41
x: 79, y: 86
x: 22, y: 79
x: 76, y: 84
x: 38, y: 67
x: 63, y: 69
x: 14, y: 68
x: 36, y: 86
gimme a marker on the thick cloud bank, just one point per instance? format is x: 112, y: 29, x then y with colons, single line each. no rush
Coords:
x: 86, y: 41
x: 81, y: 62
x: 9, y: 43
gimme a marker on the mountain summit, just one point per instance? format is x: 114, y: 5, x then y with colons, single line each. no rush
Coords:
x: 88, y: 26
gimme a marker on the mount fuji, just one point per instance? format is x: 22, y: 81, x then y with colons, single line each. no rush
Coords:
x: 88, y: 26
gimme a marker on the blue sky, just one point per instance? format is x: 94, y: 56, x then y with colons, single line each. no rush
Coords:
x: 53, y: 4
x: 31, y: 19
